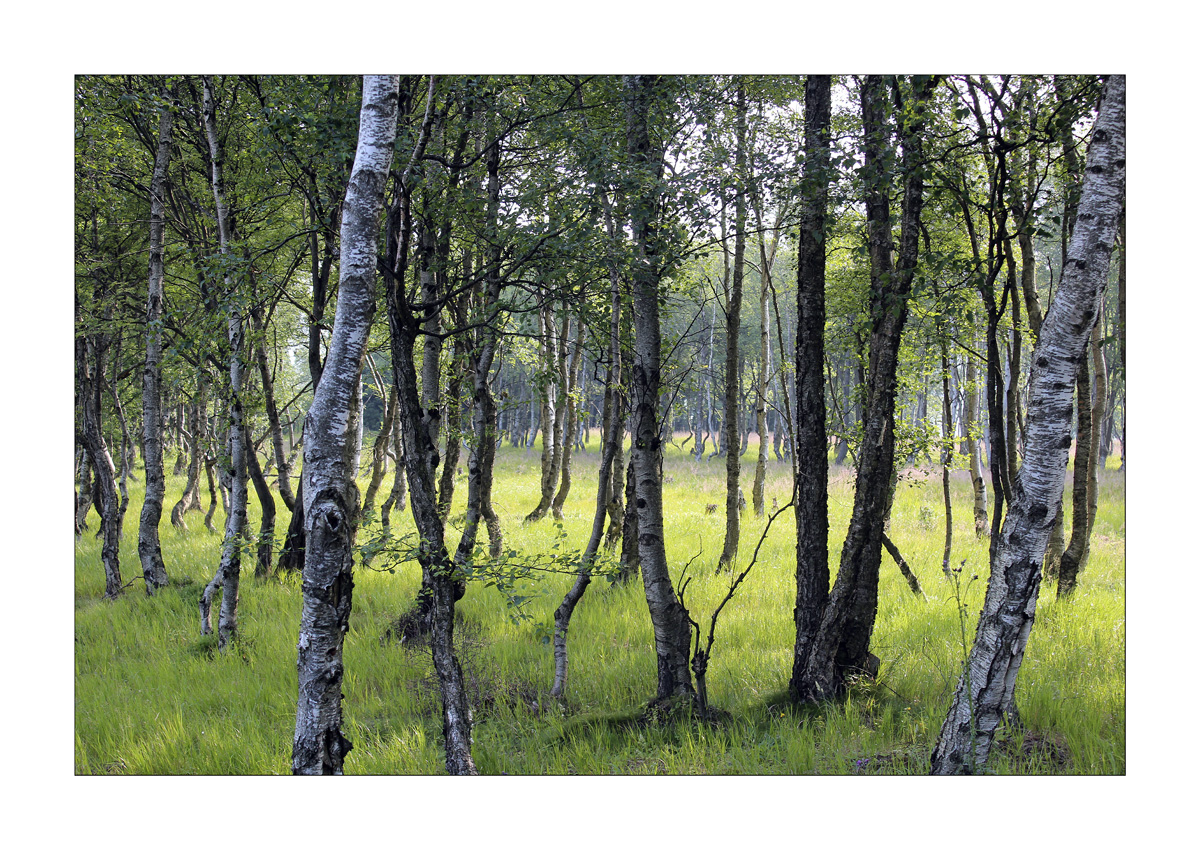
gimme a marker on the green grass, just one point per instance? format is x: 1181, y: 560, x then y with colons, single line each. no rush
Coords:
x: 152, y: 696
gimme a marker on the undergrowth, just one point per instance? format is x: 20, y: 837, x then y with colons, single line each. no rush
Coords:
x: 153, y: 696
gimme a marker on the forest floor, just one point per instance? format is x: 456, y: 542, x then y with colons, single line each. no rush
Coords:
x: 187, y: 709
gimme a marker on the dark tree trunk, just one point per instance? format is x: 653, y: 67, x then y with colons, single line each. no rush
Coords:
x: 842, y: 643
x: 266, y: 527
x: 811, y: 444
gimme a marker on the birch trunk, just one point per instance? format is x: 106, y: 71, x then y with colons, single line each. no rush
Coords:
x: 571, y: 423
x: 672, y: 632
x: 91, y: 436
x: 190, y: 500
x: 811, y: 449
x: 331, y: 450
x: 149, y: 549
x: 228, y: 573
x: 614, y: 433
x: 842, y: 642
x: 733, y: 326
x: 551, y: 388
x: 970, y: 426
x: 989, y: 679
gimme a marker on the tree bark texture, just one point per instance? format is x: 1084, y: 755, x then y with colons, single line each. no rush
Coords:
x: 672, y: 632
x: 331, y: 449
x: 988, y: 682
x: 811, y: 449
x: 149, y: 549
x: 842, y: 644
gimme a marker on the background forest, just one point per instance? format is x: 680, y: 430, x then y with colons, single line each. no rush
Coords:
x: 754, y: 358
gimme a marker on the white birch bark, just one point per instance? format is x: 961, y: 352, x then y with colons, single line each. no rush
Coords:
x: 987, y: 684
x: 149, y: 548
x: 331, y: 447
x: 229, y: 572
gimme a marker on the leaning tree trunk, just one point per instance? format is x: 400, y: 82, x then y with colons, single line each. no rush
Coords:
x: 282, y: 465
x: 266, y: 527
x: 811, y: 447
x: 614, y: 433
x: 1084, y: 481
x: 672, y: 631
x: 331, y: 447
x: 989, y: 679
x: 229, y: 571
x: 149, y: 548
x: 91, y: 436
x: 419, y: 432
x: 842, y: 643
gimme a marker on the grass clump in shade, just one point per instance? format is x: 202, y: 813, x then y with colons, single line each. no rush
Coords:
x: 153, y: 696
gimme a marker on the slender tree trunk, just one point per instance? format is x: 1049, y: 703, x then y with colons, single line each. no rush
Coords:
x: 986, y: 687
x: 89, y: 368
x: 733, y: 326
x: 571, y: 423
x: 419, y: 432
x: 1075, y: 558
x: 397, y: 496
x: 613, y: 435
x: 83, y: 499
x: 811, y: 450
x: 282, y: 465
x: 190, y: 500
x: 947, y: 455
x: 552, y: 391
x: 331, y: 450
x: 149, y: 548
x: 228, y: 573
x: 672, y: 632
x: 266, y: 527
x: 970, y: 426
x: 379, y: 452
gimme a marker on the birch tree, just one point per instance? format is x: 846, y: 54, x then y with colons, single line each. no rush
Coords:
x: 811, y: 443
x: 987, y: 684
x: 228, y: 572
x: 842, y: 642
x: 149, y: 549
x: 672, y: 632
x: 331, y: 447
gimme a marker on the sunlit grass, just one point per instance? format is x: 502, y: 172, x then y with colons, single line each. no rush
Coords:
x: 154, y: 697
